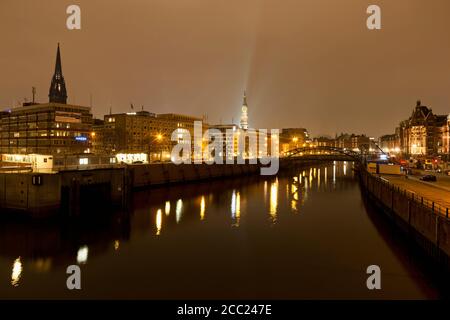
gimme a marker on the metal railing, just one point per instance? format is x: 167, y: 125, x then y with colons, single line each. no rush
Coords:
x: 436, y: 208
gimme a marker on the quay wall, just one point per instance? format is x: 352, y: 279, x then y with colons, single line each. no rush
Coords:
x: 425, y: 222
x: 65, y: 192
x: 42, y: 195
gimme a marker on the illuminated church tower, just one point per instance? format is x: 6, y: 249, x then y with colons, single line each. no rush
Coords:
x: 244, y: 114
x: 57, y: 92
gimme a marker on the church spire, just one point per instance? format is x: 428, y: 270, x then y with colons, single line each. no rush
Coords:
x: 244, y: 114
x: 57, y: 92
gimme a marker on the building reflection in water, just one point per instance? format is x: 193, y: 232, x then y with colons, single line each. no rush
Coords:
x: 167, y: 208
x: 158, y: 222
x: 236, y: 208
x: 318, y: 179
x: 58, y: 247
x: 178, y: 210
x: 294, y: 193
x: 202, y: 208
x: 41, y: 264
x: 334, y: 172
x: 273, y: 200
x: 265, y: 192
x: 16, y: 272
x: 82, y: 255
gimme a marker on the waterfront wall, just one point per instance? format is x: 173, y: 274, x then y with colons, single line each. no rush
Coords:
x: 65, y: 192
x: 165, y: 173
x: 45, y: 194
x: 427, y: 223
x: 24, y: 192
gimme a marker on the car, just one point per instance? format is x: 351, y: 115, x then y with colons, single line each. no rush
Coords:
x: 428, y: 177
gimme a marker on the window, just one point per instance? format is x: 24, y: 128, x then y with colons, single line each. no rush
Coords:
x: 84, y: 161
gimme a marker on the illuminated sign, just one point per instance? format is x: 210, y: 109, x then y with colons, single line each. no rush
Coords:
x: 81, y: 138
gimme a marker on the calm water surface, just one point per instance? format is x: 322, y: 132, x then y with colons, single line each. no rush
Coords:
x: 305, y: 234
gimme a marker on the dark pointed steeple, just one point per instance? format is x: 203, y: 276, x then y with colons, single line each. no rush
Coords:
x: 58, y: 91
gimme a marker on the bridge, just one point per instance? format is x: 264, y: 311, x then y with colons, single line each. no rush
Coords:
x: 325, y: 153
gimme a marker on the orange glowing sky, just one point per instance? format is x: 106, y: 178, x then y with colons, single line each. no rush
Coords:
x: 304, y: 63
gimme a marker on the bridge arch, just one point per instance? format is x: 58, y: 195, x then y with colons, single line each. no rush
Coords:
x: 297, y: 152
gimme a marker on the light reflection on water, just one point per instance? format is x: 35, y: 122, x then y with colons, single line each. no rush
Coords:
x: 16, y: 272
x: 290, y: 236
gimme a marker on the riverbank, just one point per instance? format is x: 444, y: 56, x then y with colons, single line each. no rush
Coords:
x: 426, y: 223
x: 72, y: 192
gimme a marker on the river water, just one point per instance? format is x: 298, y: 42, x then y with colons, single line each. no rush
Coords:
x: 306, y: 234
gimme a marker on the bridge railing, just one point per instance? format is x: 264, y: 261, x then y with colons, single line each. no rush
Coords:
x: 322, y: 150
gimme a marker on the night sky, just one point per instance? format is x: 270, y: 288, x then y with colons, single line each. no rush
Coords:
x: 304, y: 63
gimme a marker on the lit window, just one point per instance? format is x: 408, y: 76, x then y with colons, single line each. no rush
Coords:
x: 84, y: 161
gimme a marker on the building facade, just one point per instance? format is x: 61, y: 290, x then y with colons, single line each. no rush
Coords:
x: 143, y: 132
x: 390, y: 143
x: 47, y: 128
x: 50, y: 128
x: 292, y: 138
x: 422, y: 135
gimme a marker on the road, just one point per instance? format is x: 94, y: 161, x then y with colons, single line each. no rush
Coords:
x: 438, y: 192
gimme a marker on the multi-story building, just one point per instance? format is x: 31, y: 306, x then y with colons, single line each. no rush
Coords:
x: 390, y: 143
x: 143, y: 132
x: 422, y: 133
x: 355, y: 142
x: 230, y: 139
x: 292, y: 138
x: 360, y: 142
x: 48, y: 128
x: 444, y: 148
x: 323, y: 142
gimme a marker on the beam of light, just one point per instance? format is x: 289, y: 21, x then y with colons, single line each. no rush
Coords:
x: 326, y: 175
x: 16, y: 272
x: 167, y: 208
x: 202, y: 208
x: 178, y: 210
x: 158, y: 222
x: 82, y: 255
x: 345, y: 168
